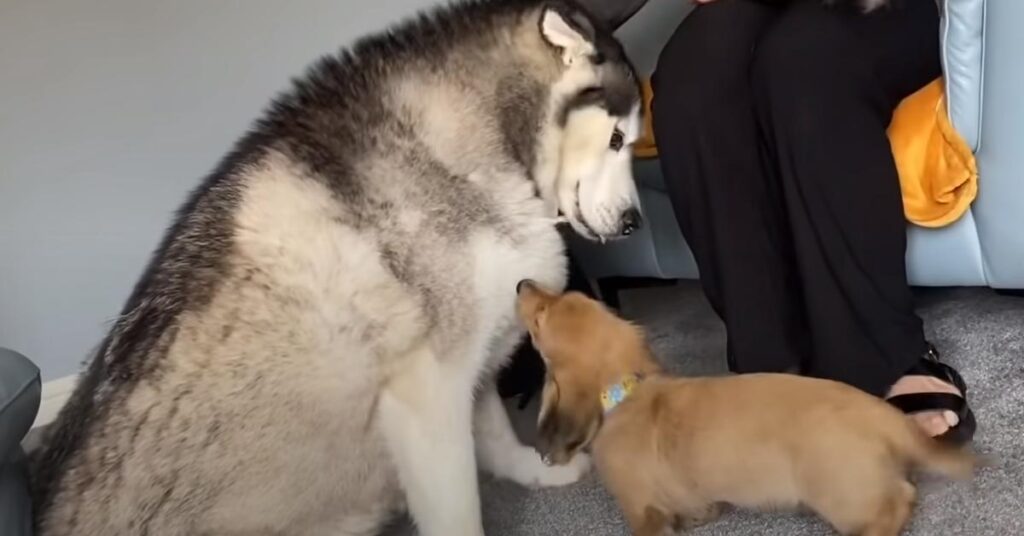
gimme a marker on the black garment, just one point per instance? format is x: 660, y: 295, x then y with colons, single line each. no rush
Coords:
x: 771, y: 126
x: 613, y: 13
x: 523, y: 376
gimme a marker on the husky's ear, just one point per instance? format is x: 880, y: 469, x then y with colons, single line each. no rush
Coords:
x: 568, y: 30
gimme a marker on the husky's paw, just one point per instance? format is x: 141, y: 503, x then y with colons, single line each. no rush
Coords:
x: 525, y: 467
x: 562, y: 475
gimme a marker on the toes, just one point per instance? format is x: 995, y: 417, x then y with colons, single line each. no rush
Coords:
x: 937, y: 424
x: 933, y: 424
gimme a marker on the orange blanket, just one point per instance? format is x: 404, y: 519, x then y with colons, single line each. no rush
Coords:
x: 937, y: 169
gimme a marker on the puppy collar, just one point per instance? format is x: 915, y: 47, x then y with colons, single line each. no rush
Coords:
x: 616, y: 393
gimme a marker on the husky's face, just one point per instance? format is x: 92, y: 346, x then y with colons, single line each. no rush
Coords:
x: 595, y: 107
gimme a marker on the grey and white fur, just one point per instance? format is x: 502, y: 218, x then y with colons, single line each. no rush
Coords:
x: 312, y: 347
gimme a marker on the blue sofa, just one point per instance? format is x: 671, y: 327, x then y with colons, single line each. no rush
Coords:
x: 982, y: 45
x: 19, y: 402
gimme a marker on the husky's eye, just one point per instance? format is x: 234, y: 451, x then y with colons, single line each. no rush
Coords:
x: 617, y: 140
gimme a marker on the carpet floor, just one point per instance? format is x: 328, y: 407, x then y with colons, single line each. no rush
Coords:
x: 977, y: 331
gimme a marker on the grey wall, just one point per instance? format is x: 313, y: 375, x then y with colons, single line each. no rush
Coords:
x: 111, y: 110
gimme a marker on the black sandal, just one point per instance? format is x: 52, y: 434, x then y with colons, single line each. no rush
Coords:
x: 929, y: 365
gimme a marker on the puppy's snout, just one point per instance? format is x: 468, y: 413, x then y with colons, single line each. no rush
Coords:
x: 525, y: 284
x: 630, y: 221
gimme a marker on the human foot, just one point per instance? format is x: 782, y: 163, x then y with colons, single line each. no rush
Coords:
x: 934, y: 423
x: 935, y: 395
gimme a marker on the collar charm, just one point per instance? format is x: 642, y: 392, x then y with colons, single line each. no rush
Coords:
x: 614, y: 394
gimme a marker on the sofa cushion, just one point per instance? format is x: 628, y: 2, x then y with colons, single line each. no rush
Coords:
x: 647, y: 173
x: 962, y: 36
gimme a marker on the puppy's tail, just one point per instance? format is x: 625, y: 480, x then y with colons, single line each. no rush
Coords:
x: 926, y: 453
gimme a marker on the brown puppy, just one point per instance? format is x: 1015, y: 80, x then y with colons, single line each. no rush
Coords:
x: 671, y: 450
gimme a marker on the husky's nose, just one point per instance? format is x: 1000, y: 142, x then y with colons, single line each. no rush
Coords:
x: 631, y: 221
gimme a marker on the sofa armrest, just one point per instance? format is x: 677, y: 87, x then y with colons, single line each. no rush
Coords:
x: 999, y: 209
x: 19, y: 400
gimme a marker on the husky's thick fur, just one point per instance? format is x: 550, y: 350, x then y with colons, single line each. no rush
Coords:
x: 301, y: 355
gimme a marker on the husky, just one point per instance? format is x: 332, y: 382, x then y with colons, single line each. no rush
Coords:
x: 312, y: 348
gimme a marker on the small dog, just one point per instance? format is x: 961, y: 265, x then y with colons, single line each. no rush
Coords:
x: 673, y: 450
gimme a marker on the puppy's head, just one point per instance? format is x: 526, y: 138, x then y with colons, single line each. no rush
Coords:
x: 585, y: 347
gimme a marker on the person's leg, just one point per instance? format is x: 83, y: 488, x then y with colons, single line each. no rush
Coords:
x: 826, y: 83
x: 729, y: 212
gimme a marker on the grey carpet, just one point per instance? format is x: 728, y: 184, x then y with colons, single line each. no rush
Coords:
x: 979, y: 332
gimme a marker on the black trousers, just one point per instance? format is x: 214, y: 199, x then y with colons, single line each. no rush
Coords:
x: 771, y: 126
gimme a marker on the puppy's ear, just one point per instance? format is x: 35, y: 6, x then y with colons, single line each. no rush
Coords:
x: 567, y: 423
x: 568, y: 29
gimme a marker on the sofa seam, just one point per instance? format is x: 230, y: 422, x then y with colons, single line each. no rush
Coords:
x: 979, y: 100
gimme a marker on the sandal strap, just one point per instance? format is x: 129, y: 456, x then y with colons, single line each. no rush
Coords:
x: 931, y: 365
x: 919, y: 402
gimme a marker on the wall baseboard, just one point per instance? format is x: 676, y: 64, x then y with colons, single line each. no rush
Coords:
x: 54, y: 395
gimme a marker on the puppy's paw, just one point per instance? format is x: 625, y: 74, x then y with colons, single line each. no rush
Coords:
x: 562, y: 475
x: 698, y: 517
x: 525, y: 467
